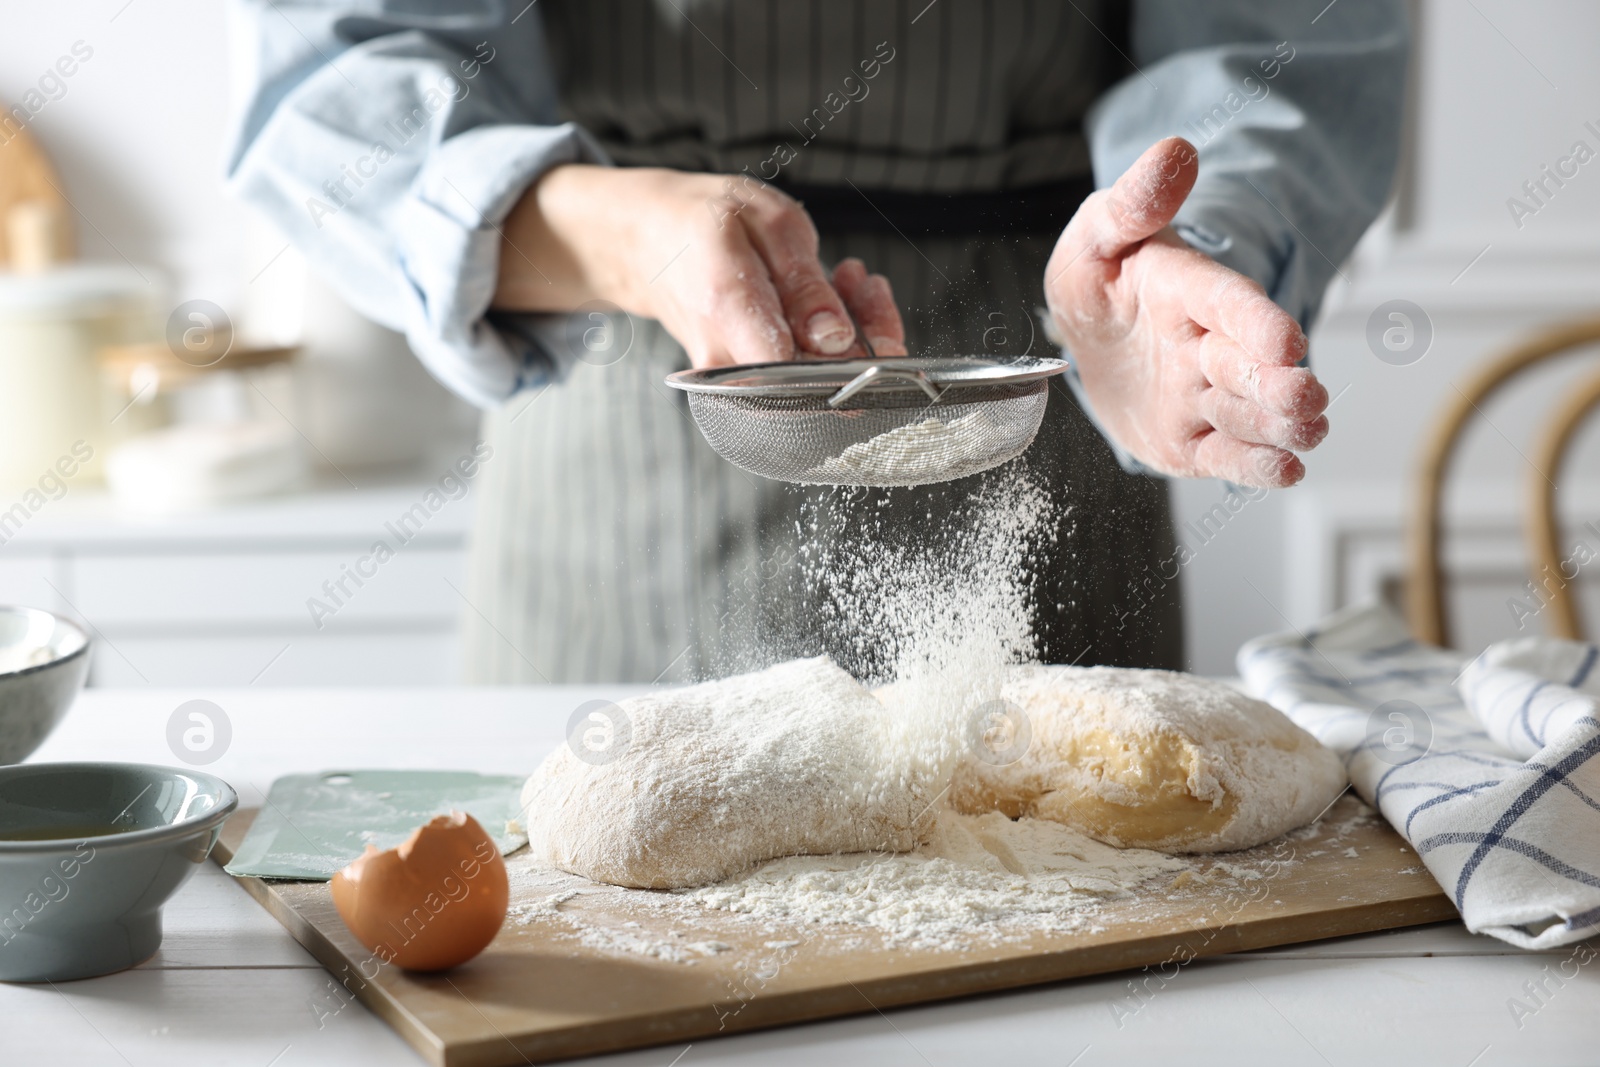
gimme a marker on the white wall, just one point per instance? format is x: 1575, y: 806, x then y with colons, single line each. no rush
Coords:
x: 1501, y: 88
x: 138, y: 139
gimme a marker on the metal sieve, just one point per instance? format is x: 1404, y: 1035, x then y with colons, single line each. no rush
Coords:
x: 879, y: 422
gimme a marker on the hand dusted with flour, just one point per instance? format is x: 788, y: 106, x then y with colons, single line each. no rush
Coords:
x: 798, y: 759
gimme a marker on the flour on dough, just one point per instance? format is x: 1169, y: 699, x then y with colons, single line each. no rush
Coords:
x: 1153, y: 759
x: 798, y: 759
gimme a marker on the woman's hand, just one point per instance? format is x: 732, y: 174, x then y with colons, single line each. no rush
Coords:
x: 1190, y: 366
x: 727, y: 266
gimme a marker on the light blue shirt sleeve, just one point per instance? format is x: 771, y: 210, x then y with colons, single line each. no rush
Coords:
x: 389, y: 141
x: 1296, y: 115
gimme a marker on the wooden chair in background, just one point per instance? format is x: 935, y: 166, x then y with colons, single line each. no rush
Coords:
x: 1425, y: 585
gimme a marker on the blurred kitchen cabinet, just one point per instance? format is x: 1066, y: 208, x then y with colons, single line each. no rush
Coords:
x: 426, y: 657
x: 31, y: 580
x: 283, y: 589
x: 287, y: 591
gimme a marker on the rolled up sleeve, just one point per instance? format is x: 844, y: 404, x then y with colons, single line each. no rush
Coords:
x: 390, y: 150
x: 1296, y: 116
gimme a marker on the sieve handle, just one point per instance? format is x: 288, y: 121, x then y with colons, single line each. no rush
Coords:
x: 872, y: 374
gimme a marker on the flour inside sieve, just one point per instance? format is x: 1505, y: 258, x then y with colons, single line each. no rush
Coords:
x: 929, y: 450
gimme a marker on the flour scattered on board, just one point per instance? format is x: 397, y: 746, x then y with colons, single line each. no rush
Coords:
x: 980, y: 880
x: 976, y: 874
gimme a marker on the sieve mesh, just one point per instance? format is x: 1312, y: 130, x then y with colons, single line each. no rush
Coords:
x: 890, y: 439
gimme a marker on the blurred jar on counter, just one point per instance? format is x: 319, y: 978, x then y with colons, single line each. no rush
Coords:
x: 201, y: 419
x: 53, y: 322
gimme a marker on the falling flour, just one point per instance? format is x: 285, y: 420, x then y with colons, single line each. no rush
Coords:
x: 801, y: 758
x: 940, y: 616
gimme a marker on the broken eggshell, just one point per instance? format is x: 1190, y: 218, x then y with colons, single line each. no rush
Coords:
x: 431, y: 903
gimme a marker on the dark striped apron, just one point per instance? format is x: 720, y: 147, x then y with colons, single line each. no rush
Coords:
x: 612, y: 544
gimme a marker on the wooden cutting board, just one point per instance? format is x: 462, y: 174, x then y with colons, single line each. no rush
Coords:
x: 538, y: 993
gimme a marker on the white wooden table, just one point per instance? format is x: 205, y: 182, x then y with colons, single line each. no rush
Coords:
x: 229, y: 986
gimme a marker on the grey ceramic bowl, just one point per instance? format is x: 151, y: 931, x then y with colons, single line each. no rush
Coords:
x: 88, y: 854
x: 43, y: 662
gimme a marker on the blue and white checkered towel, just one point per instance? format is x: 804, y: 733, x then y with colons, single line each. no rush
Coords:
x: 1488, y: 768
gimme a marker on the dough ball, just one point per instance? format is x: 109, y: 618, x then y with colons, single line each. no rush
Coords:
x: 702, y: 782
x: 1150, y: 759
